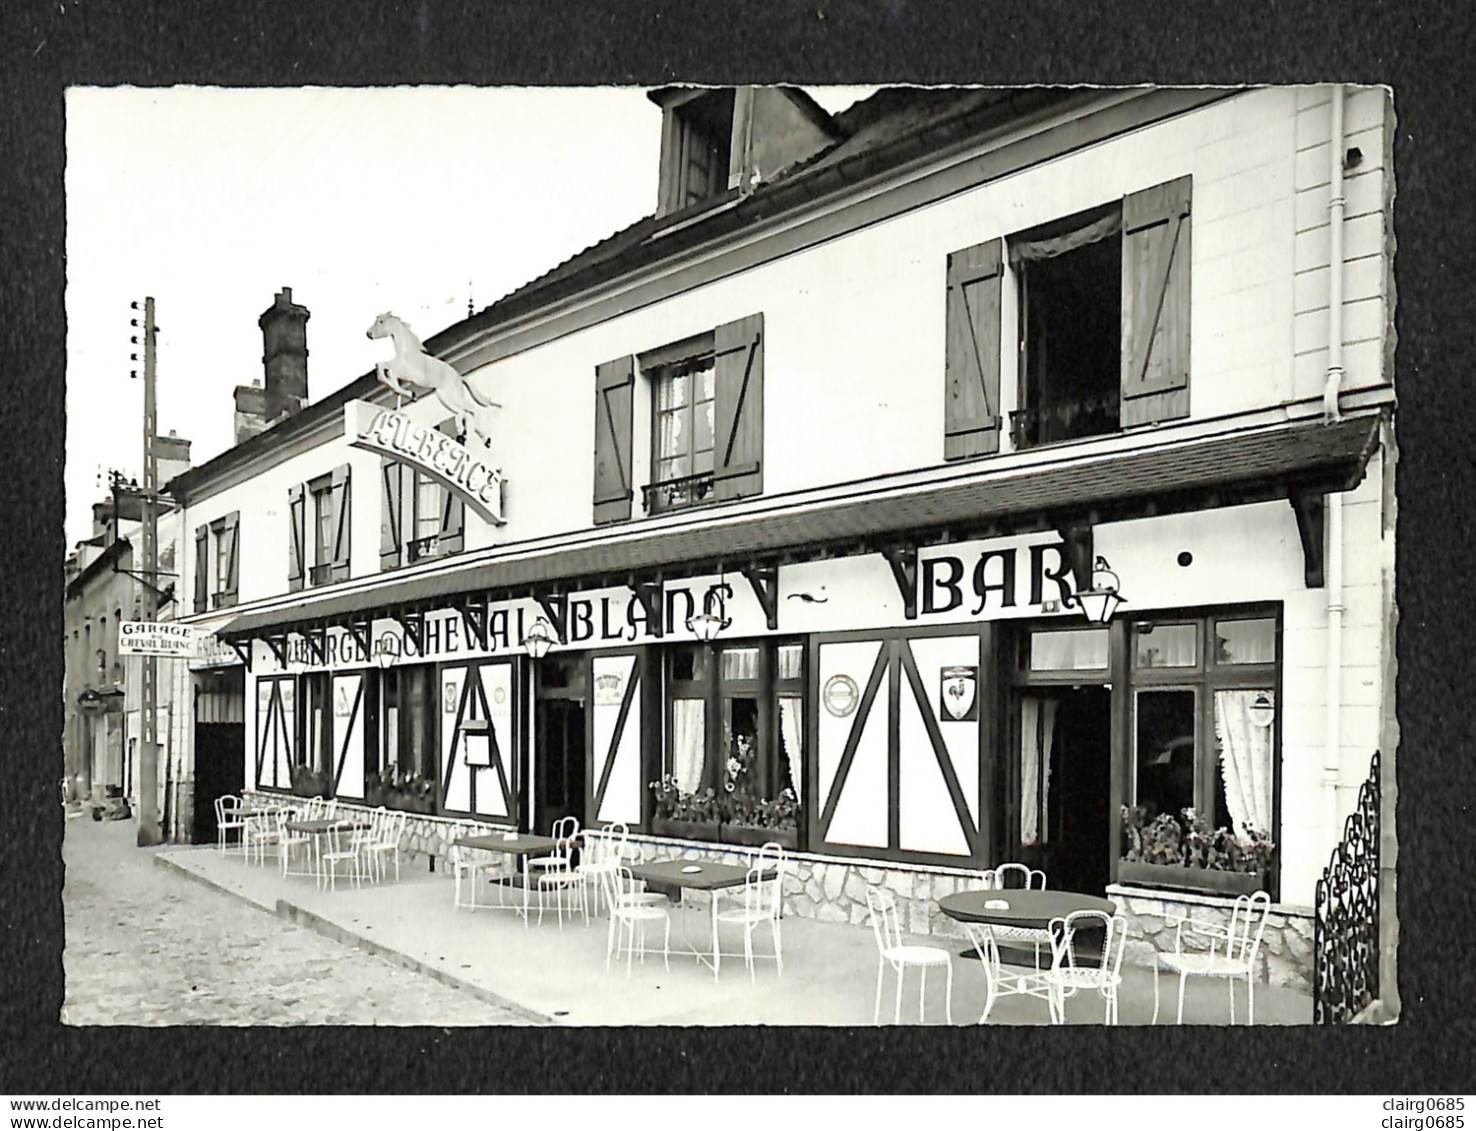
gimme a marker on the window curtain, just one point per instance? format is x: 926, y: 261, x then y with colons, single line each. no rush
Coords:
x: 1245, y: 761
x: 1025, y: 251
x: 791, y: 723
x: 688, y: 742
x: 1037, y: 734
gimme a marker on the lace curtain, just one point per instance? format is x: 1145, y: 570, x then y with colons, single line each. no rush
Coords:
x: 791, y: 724
x: 1037, y: 735
x: 1245, y: 761
x: 688, y: 742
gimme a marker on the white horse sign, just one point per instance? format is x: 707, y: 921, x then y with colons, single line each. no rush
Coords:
x: 392, y: 433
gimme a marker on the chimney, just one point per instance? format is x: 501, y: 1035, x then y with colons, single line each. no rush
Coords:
x: 173, y: 456
x: 284, y: 358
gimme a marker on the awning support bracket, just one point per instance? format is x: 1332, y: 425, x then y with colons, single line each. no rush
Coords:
x: 242, y: 648
x: 765, y: 582
x: 1310, y: 507
x: 651, y: 597
x: 414, y: 625
x: 903, y: 560
x: 1078, y: 539
x: 317, y: 641
x: 360, y: 628
x: 555, y: 607
x: 474, y: 616
x: 278, y: 644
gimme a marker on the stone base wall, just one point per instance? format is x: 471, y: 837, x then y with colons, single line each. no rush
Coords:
x: 1285, y: 956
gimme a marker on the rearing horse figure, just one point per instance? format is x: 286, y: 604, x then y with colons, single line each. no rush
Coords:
x: 413, y: 366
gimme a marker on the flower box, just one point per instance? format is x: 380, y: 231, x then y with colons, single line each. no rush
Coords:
x: 1212, y: 880
x: 754, y: 836
x: 685, y: 830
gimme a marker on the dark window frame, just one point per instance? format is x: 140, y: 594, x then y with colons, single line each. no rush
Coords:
x: 689, y: 357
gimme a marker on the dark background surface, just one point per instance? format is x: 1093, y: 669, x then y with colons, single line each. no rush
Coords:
x: 1417, y: 48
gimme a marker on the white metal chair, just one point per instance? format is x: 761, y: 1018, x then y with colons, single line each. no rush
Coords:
x: 227, y: 818
x: 757, y: 902
x: 262, y: 832
x: 313, y: 810
x: 1072, y: 970
x: 1030, y: 879
x: 629, y: 917
x: 985, y: 947
x: 385, y: 841
x: 602, y: 851
x: 339, y: 849
x: 1231, y: 954
x: 556, y: 874
x: 468, y: 865
x: 893, y: 952
x: 565, y: 828
x: 287, y: 840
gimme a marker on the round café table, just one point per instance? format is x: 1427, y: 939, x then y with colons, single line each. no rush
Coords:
x: 1032, y: 910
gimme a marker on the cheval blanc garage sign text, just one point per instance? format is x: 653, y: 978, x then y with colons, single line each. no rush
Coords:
x: 394, y: 434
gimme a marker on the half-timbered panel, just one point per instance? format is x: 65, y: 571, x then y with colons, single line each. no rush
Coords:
x: 614, y: 774
x: 852, y: 801
x: 276, y: 732
x: 938, y: 744
x: 348, y: 734
x: 477, y: 740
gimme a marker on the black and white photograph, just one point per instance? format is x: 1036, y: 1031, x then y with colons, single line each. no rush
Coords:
x: 730, y: 555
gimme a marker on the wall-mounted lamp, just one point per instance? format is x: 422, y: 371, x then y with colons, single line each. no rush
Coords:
x: 1102, y: 599
x: 539, y: 638
x: 387, y: 650
x: 714, y: 615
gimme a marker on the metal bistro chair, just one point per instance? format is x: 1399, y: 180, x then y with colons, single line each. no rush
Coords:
x: 985, y: 947
x: 468, y: 865
x: 287, y: 840
x: 228, y: 817
x: 891, y: 951
x: 385, y: 841
x: 602, y: 851
x: 342, y: 849
x: 758, y: 901
x: 556, y: 874
x: 628, y: 916
x: 1232, y: 953
x: 1031, y: 879
x: 1071, y: 970
x: 565, y: 828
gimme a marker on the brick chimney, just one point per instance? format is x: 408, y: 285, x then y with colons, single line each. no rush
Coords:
x: 173, y: 456
x: 284, y: 358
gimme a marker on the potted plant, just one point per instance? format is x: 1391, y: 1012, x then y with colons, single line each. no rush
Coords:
x: 395, y: 789
x: 1183, y: 851
x: 308, y: 782
x: 689, y: 816
x: 756, y: 821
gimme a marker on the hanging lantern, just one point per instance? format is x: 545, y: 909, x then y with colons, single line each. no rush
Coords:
x: 1100, y: 602
x: 713, y: 618
x: 539, y: 638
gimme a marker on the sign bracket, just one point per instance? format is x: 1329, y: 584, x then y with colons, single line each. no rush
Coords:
x: 650, y: 595
x: 555, y: 607
x: 765, y: 582
x: 903, y: 560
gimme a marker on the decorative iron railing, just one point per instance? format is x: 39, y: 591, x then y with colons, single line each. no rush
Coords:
x: 419, y: 549
x: 1345, y: 935
x: 1065, y: 420
x: 672, y: 493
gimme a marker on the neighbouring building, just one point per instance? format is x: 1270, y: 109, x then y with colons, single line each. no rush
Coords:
x: 810, y: 476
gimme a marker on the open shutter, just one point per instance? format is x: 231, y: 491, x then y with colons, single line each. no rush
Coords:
x: 614, y: 414
x: 296, y: 523
x: 232, y: 533
x: 1155, y: 303
x: 452, y: 535
x: 202, y: 568
x: 341, y: 526
x: 971, y: 385
x: 392, y: 503
x: 737, y: 458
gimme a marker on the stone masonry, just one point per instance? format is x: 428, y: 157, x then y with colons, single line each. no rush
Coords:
x: 833, y: 890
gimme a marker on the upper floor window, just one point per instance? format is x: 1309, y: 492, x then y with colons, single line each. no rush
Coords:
x: 1103, y: 327
x: 419, y: 516
x: 218, y: 563
x: 706, y: 410
x: 696, y: 148
x: 319, y: 526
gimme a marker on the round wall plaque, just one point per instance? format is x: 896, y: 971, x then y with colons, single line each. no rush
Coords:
x: 840, y: 695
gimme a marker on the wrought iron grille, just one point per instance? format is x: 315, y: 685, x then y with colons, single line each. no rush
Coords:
x: 1346, y: 926
x: 673, y: 493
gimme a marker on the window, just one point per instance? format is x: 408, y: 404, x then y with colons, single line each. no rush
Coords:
x: 217, y: 563
x: 1204, y: 732
x: 420, y: 517
x: 706, y: 396
x: 1103, y: 325
x: 696, y: 148
x: 735, y: 726
x: 319, y: 525
x: 315, y: 739
x: 407, y: 720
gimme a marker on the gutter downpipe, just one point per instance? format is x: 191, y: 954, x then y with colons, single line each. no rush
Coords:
x: 1332, y: 756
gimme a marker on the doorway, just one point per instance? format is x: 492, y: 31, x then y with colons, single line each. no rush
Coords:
x: 220, y: 745
x: 559, y: 762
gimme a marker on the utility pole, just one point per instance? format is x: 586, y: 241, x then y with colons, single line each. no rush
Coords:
x: 148, y: 764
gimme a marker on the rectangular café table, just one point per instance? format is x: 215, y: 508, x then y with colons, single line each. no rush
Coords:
x: 248, y: 815
x: 323, y: 826
x: 520, y: 846
x: 698, y: 875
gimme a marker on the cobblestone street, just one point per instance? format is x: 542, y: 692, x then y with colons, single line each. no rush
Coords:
x: 145, y: 946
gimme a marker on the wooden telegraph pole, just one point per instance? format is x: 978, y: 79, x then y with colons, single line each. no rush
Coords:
x: 148, y: 765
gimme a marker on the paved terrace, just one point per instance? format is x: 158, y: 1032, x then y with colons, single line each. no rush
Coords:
x: 543, y: 972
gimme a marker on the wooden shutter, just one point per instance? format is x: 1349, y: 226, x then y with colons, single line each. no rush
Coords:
x: 392, y: 503
x: 232, y: 527
x: 971, y: 384
x: 737, y: 459
x: 452, y: 535
x: 339, y: 560
x: 202, y: 568
x: 296, y: 530
x: 1155, y: 303
x: 614, y: 414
